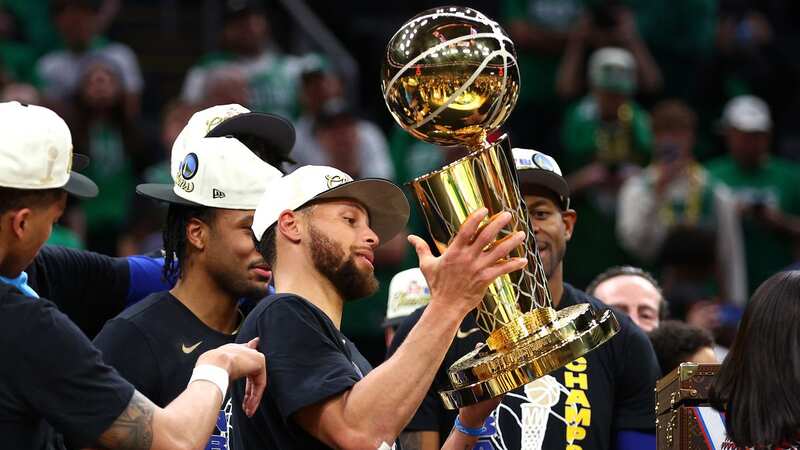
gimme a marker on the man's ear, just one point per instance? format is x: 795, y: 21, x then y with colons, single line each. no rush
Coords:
x: 197, y: 233
x: 289, y: 226
x: 569, y: 217
x: 17, y: 221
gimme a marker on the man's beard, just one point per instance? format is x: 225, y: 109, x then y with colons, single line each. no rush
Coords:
x: 329, y: 260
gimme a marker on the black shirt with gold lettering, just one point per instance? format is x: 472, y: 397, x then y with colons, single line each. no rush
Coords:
x: 580, y: 406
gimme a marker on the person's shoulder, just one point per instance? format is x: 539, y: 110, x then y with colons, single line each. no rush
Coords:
x: 22, y: 317
x: 283, y: 303
x: 578, y: 296
x: 154, y: 304
x: 720, y: 167
x: 625, y: 323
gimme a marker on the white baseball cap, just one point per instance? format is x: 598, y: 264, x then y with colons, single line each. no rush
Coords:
x: 613, y: 68
x: 408, y: 291
x: 276, y: 132
x: 539, y: 169
x: 217, y: 172
x: 36, y: 151
x: 384, y: 201
x: 747, y: 113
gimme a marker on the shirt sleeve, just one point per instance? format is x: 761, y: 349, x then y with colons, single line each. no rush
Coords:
x: 429, y: 414
x: 63, y: 378
x: 305, y: 363
x: 127, y: 349
x: 88, y: 287
x: 636, y: 375
x: 146, y: 276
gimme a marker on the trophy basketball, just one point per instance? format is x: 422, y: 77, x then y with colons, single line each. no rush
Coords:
x: 450, y: 77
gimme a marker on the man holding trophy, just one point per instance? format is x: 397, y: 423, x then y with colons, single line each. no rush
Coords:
x: 450, y: 78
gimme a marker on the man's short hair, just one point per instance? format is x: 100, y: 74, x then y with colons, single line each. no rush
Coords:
x: 675, y: 341
x: 672, y: 115
x: 12, y: 199
x: 617, y: 271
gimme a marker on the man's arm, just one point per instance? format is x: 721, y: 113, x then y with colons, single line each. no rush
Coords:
x: 377, y: 408
x: 189, y: 420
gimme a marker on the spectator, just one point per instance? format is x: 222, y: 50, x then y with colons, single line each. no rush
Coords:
x: 757, y: 384
x: 606, y: 139
x: 765, y: 188
x: 102, y: 128
x: 340, y: 139
x: 61, y: 71
x: 633, y: 291
x: 675, y: 190
x: 539, y: 29
x: 271, y: 76
x: 408, y: 291
x: 676, y: 342
x: 605, y: 24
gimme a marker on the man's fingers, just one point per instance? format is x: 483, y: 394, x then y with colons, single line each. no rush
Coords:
x: 420, y: 246
x: 490, y: 231
x: 252, y: 344
x: 504, y: 247
x: 258, y: 382
x: 504, y: 267
x: 470, y: 226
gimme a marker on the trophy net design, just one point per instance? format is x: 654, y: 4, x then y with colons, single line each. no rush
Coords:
x: 450, y: 77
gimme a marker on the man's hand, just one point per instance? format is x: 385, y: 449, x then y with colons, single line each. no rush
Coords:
x: 461, y: 275
x: 241, y: 360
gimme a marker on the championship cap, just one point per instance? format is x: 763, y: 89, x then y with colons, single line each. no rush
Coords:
x: 275, y: 132
x: 216, y: 172
x: 36, y: 151
x: 747, y: 113
x: 408, y: 291
x: 538, y: 169
x: 385, y: 203
x: 613, y: 69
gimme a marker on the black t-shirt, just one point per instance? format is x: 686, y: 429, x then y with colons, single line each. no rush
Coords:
x: 308, y: 361
x: 89, y: 288
x: 155, y: 344
x: 50, y: 374
x: 577, y: 407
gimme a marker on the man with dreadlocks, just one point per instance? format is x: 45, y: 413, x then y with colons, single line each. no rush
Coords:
x: 209, y: 249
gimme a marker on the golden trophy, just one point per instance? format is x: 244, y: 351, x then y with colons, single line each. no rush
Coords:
x: 450, y: 77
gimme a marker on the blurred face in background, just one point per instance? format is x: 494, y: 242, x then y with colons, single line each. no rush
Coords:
x: 339, y: 140
x: 673, y: 144
x: 76, y: 25
x: 319, y: 88
x: 101, y: 87
x: 635, y: 296
x: 246, y: 34
x: 748, y: 149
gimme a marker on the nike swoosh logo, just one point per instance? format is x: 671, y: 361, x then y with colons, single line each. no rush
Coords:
x: 188, y: 350
x: 462, y: 334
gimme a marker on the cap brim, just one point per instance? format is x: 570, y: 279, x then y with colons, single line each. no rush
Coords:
x: 544, y: 178
x: 385, y: 202
x: 274, y: 130
x: 163, y: 193
x: 81, y: 186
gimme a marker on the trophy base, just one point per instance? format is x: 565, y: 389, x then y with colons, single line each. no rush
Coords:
x: 484, y: 373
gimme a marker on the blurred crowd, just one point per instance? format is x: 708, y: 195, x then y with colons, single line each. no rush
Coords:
x: 673, y: 123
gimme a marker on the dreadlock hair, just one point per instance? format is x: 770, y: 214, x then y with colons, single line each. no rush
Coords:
x: 178, y: 216
x: 616, y: 271
x: 12, y: 199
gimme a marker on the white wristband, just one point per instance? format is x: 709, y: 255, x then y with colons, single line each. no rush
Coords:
x: 214, y: 374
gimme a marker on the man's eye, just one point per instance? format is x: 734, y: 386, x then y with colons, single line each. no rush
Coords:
x: 350, y: 220
x: 539, y: 214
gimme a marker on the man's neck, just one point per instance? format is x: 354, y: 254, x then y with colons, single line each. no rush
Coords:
x: 555, y: 282
x: 312, y: 286
x: 207, y: 301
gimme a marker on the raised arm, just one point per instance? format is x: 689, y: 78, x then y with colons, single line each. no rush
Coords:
x: 377, y: 408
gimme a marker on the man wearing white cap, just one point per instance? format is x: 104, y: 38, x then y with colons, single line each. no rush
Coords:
x: 408, y: 291
x: 319, y: 230
x: 601, y: 401
x: 209, y: 250
x: 766, y: 188
x: 52, y: 378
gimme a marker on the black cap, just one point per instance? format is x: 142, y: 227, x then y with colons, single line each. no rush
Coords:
x: 274, y: 132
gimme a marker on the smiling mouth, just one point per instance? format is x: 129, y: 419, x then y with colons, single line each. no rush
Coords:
x: 262, y: 272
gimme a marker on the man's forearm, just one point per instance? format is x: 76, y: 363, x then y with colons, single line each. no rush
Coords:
x: 384, y: 402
